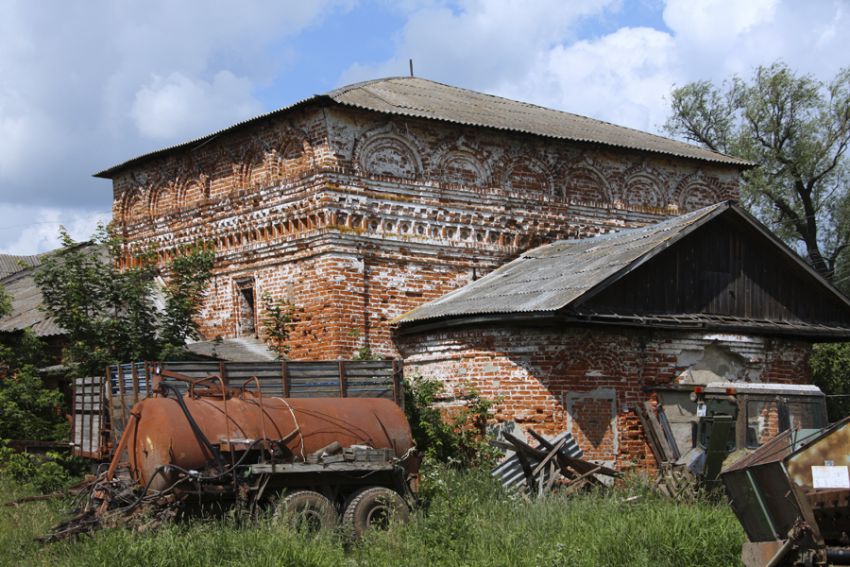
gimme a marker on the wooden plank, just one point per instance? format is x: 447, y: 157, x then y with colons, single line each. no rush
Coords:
x: 396, y: 377
x: 353, y: 370
x: 652, y: 430
x: 134, y: 374
x: 342, y: 392
x: 75, y: 450
x: 313, y: 394
x: 100, y: 422
x: 121, y: 394
x: 222, y: 372
x: 90, y: 420
x: 284, y: 378
x: 553, y: 451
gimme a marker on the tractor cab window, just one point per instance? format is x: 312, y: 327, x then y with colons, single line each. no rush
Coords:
x: 768, y: 417
x: 806, y: 414
x: 763, y: 421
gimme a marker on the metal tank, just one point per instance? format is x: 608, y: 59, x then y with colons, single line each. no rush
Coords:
x: 194, y: 432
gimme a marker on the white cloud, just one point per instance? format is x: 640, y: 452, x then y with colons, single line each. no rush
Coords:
x: 617, y: 78
x: 29, y: 230
x: 478, y: 42
x: 86, y: 85
x: 178, y: 105
x: 711, y: 23
x: 529, y: 51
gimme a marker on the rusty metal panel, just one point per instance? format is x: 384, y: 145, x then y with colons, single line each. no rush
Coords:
x: 832, y: 449
x: 299, y: 379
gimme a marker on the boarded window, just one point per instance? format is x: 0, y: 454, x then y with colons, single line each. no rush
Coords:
x: 592, y: 420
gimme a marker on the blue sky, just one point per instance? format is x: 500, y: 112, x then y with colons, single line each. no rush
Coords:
x: 88, y: 84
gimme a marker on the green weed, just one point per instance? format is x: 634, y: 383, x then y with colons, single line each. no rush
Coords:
x: 469, y: 521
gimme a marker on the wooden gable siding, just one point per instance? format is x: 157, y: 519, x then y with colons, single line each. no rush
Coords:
x: 725, y: 268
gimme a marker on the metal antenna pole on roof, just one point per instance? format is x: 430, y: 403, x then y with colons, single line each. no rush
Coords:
x: 411, y: 67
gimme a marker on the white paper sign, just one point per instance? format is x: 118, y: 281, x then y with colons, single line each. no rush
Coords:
x: 830, y: 477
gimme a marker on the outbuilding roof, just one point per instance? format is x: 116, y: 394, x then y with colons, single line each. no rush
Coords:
x: 555, y: 278
x: 10, y: 263
x: 26, y: 296
x: 552, y: 276
x: 422, y: 98
x: 26, y: 307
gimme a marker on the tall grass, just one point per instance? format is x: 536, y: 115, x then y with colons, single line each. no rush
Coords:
x: 469, y: 522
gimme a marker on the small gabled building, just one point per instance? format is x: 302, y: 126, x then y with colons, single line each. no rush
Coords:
x: 574, y: 335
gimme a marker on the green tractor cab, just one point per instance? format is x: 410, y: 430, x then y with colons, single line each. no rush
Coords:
x: 707, y: 426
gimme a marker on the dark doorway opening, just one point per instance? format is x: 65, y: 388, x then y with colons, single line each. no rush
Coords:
x: 247, y: 310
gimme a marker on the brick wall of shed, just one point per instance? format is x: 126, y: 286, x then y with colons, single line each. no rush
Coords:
x: 356, y: 217
x: 586, y: 380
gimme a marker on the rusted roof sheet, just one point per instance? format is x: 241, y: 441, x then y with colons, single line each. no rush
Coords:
x: 421, y: 98
x: 551, y: 277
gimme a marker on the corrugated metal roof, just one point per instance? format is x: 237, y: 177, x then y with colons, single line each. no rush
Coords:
x: 412, y: 96
x: 421, y: 98
x: 551, y: 277
x: 27, y: 299
x: 243, y: 349
x: 26, y: 307
x: 11, y: 264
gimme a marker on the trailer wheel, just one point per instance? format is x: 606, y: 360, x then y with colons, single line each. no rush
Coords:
x: 306, y: 510
x: 374, y: 507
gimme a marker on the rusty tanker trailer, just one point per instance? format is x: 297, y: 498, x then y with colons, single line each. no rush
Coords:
x: 315, y: 461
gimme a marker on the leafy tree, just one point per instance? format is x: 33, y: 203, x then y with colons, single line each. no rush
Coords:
x: 109, y: 313
x: 796, y: 130
x: 20, y: 348
x: 190, y: 274
x: 458, y: 438
x: 5, y: 302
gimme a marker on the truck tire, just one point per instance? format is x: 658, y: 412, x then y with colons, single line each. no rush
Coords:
x: 306, y: 510
x: 374, y: 507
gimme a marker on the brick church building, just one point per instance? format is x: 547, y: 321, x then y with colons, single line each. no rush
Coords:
x: 361, y: 204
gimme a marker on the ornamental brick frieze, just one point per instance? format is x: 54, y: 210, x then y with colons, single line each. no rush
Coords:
x: 388, y: 151
x: 412, y: 151
x: 700, y: 190
x: 644, y: 186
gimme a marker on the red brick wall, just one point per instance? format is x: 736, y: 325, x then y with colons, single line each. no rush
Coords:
x: 582, y: 379
x: 356, y: 218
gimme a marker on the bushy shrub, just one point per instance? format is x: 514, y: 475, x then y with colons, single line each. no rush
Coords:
x: 28, y: 410
x: 456, y: 436
x: 830, y: 365
x: 44, y: 473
